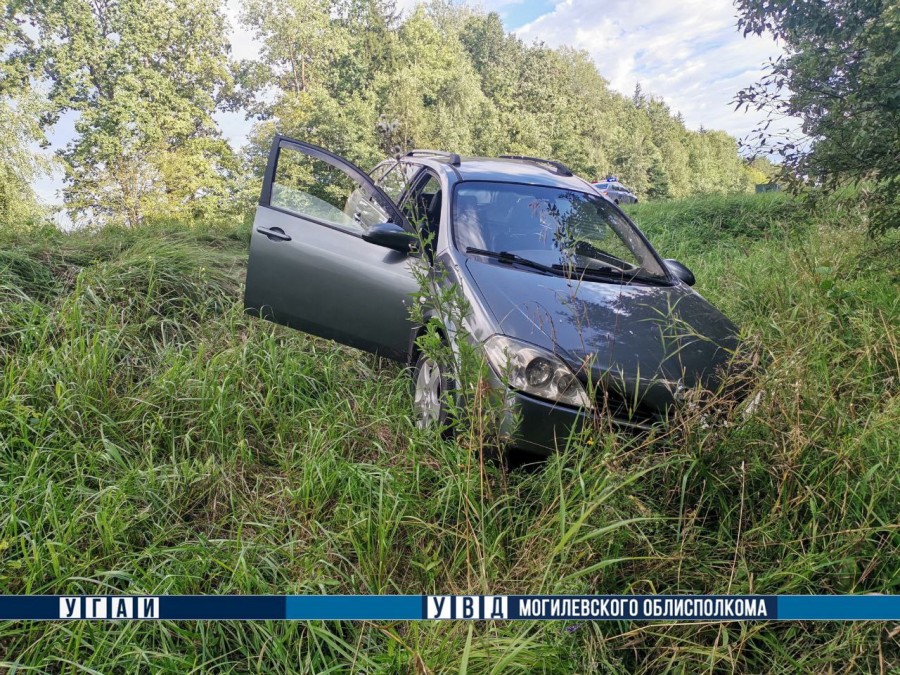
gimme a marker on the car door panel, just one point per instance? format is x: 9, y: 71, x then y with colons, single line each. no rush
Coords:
x: 310, y: 270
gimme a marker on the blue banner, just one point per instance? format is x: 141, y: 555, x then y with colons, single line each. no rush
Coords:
x: 838, y: 607
x: 354, y: 607
x: 454, y: 607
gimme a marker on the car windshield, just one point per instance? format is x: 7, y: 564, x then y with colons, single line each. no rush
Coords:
x: 551, y: 226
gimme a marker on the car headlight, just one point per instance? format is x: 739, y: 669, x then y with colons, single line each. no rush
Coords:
x: 535, y: 371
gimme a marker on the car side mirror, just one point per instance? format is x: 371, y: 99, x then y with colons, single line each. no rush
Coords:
x: 390, y: 235
x: 680, y: 271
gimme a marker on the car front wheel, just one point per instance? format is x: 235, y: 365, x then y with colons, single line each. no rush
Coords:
x: 431, y: 387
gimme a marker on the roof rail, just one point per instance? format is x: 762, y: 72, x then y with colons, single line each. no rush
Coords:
x: 452, y: 157
x: 549, y: 164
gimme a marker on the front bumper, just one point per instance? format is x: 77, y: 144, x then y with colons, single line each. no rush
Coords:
x: 542, y: 427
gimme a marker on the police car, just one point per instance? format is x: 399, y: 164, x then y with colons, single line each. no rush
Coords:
x: 615, y: 192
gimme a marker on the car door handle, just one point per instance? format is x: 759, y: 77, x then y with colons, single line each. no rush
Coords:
x: 274, y: 233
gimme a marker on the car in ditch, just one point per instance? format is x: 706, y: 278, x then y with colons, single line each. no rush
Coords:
x: 580, y: 320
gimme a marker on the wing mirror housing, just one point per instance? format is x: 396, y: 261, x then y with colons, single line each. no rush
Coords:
x: 680, y: 271
x: 390, y: 235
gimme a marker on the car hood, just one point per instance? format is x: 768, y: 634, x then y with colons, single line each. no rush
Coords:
x: 645, y: 342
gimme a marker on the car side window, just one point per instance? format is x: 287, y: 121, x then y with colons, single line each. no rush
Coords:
x: 378, y: 172
x: 420, y: 201
x: 395, y: 181
x: 423, y: 206
x: 315, y: 190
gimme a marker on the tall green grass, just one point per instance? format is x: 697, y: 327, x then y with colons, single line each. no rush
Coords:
x: 155, y: 440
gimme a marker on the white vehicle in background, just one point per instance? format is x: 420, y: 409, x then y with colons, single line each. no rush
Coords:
x: 615, y: 192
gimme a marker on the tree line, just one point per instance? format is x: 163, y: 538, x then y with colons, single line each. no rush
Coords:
x: 143, y: 80
x: 839, y: 75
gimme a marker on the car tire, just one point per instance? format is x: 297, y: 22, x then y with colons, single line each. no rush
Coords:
x: 432, y: 385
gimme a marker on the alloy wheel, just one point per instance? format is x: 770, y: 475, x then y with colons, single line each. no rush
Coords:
x: 427, y: 397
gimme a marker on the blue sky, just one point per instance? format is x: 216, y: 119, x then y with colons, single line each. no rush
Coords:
x: 688, y: 52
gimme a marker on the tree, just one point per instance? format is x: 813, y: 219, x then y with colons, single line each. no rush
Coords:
x: 20, y: 165
x: 658, y: 178
x: 715, y: 165
x: 316, y: 79
x: 670, y: 164
x: 144, y: 78
x: 637, y: 98
x: 351, y: 76
x: 370, y: 27
x: 300, y: 41
x: 761, y: 170
x: 434, y: 90
x: 839, y: 76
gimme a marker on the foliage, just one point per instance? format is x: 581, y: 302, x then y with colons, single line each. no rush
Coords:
x: 762, y: 170
x: 734, y: 220
x: 20, y: 165
x: 351, y: 76
x: 142, y: 79
x: 658, y: 178
x: 153, y: 439
x: 840, y: 76
x: 141, y: 83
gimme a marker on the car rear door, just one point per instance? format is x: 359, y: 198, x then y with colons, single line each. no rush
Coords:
x: 309, y: 267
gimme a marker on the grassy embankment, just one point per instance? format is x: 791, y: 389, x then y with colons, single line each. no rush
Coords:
x: 155, y: 440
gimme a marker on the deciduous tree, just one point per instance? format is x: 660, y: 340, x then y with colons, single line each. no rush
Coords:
x: 840, y: 75
x: 143, y: 79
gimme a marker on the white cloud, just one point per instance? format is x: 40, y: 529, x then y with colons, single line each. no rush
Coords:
x: 487, y: 5
x: 689, y: 52
x: 244, y: 44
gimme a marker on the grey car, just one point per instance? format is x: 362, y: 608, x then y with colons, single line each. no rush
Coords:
x: 577, y: 315
x: 615, y: 192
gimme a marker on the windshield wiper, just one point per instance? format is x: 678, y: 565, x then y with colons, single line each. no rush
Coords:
x: 607, y: 272
x: 595, y: 252
x: 570, y: 271
x: 512, y: 258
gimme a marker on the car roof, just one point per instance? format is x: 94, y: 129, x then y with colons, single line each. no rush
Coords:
x: 499, y: 169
